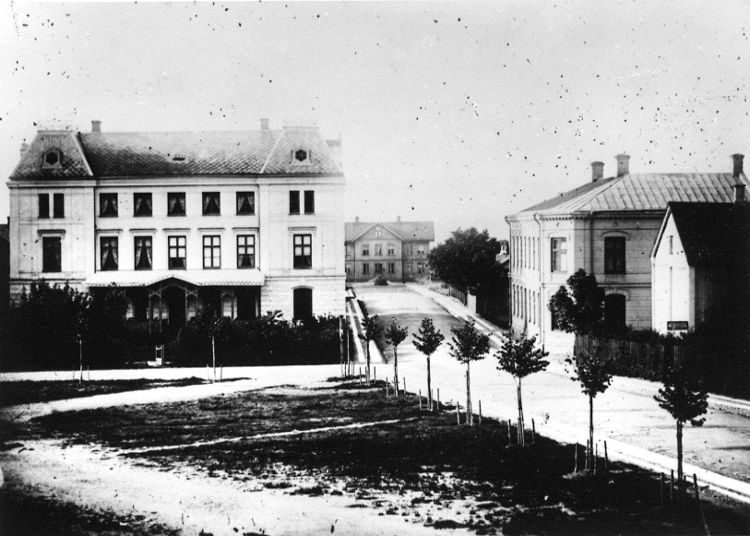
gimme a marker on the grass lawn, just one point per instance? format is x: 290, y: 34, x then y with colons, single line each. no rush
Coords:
x: 424, y: 468
x: 29, y: 392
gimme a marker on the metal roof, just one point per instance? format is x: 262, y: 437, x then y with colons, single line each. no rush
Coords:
x: 200, y: 278
x: 406, y: 230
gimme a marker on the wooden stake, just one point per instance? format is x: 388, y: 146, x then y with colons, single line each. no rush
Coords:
x: 700, y: 507
x: 420, y: 400
x: 575, y: 470
x: 375, y: 373
x: 88, y: 373
x: 458, y: 415
x: 403, y: 380
x: 533, y: 432
x: 661, y: 488
x: 480, y: 412
x: 606, y: 457
x: 671, y: 487
x: 438, y: 399
x: 509, y: 441
x: 596, y: 456
x: 588, y: 446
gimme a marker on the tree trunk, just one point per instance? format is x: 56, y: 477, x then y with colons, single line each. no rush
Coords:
x: 521, y: 423
x: 590, y: 453
x: 679, y: 462
x: 80, y: 359
x: 429, y: 385
x: 367, y: 353
x: 395, y: 369
x: 468, y: 394
x: 213, y: 355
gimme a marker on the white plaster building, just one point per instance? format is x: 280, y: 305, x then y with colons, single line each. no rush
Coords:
x: 606, y: 227
x: 701, y: 265
x: 247, y: 221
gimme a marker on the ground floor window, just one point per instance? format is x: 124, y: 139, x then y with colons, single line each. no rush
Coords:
x: 365, y: 268
x: 51, y: 254
x: 378, y: 267
x: 303, y: 303
x: 391, y: 267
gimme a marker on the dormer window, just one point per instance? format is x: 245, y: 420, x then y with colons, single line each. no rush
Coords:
x: 301, y: 156
x: 52, y: 159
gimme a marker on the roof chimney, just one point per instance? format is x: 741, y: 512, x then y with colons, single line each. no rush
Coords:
x: 356, y: 219
x: 597, y: 171
x: 96, y: 126
x: 264, y: 123
x: 623, y: 164
x: 737, y: 171
x: 739, y: 194
x: 24, y: 148
x: 398, y: 218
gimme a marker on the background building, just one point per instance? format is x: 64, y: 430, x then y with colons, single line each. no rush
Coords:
x: 244, y: 221
x: 606, y: 227
x: 396, y: 250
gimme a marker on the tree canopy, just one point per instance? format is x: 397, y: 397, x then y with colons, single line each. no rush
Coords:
x: 580, y: 309
x: 467, y: 260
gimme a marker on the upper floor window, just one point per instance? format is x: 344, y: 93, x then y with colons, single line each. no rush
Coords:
x: 109, y: 253
x: 379, y: 249
x: 245, y: 203
x: 391, y: 250
x: 44, y: 205
x: 558, y: 254
x: 301, y: 156
x: 176, y: 204
x: 349, y: 252
x: 177, y: 252
x: 52, y: 159
x: 294, y: 202
x: 420, y: 250
x: 51, y: 254
x: 58, y: 206
x: 303, y: 251
x: 614, y: 255
x: 211, y: 203
x: 212, y: 252
x: 245, y: 251
x: 143, y: 252
x: 309, y: 202
x: 365, y: 250
x: 142, y: 204
x: 108, y: 205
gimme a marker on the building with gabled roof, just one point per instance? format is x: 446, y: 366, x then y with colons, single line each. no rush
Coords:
x: 701, y: 265
x: 245, y: 221
x: 396, y: 250
x: 606, y: 227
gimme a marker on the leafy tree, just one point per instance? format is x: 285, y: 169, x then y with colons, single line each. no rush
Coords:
x: 594, y: 372
x: 467, y: 261
x: 371, y: 330
x: 686, y: 400
x: 427, y: 341
x: 581, y: 309
x: 521, y: 358
x: 395, y: 335
x: 468, y: 345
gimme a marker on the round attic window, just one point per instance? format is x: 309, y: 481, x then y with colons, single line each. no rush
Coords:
x: 52, y: 158
x: 300, y: 155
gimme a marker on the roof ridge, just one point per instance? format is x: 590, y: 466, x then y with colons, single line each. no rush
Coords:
x: 77, y: 141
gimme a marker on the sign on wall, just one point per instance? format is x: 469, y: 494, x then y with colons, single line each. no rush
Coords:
x: 677, y: 325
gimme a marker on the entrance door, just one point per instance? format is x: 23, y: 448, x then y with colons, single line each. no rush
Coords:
x: 614, y: 310
x: 303, y: 304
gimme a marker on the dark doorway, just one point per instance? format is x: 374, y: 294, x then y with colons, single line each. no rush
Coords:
x: 248, y: 299
x: 303, y: 304
x: 174, y: 300
x: 614, y: 310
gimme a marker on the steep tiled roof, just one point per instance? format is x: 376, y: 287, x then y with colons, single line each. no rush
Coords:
x: 714, y: 233
x: 643, y: 191
x: 407, y: 230
x: 121, y: 154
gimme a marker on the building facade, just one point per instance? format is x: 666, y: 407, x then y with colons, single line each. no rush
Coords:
x: 606, y: 227
x: 701, y: 265
x: 246, y: 222
x: 396, y: 250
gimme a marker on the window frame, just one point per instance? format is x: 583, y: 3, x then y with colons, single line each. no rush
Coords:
x: 47, y: 248
x: 294, y: 203
x: 615, y: 255
x: 179, y: 246
x: 146, y: 199
x: 391, y: 267
x: 558, y: 254
x: 378, y: 268
x: 366, y: 268
x: 109, y: 246
x: 172, y: 211
x: 147, y: 248
x: 365, y: 250
x: 302, y: 252
x: 108, y: 205
x: 44, y: 204
x: 309, y: 201
x: 58, y: 205
x: 211, y: 203
x: 213, y: 248
x: 246, y: 198
x: 247, y: 247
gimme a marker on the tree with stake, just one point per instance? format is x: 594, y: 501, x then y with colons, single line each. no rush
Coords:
x: 468, y: 345
x: 594, y: 373
x: 427, y: 341
x: 520, y: 358
x: 213, y: 324
x: 371, y: 330
x: 395, y: 335
x: 686, y: 400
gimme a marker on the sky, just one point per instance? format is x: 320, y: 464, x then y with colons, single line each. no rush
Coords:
x: 460, y: 112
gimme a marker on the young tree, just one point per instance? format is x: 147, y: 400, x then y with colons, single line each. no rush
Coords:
x: 686, y: 400
x: 395, y: 335
x: 581, y: 309
x: 468, y: 345
x: 594, y: 372
x: 520, y: 358
x: 427, y: 341
x: 212, y: 323
x: 371, y: 330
